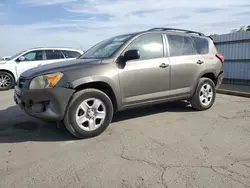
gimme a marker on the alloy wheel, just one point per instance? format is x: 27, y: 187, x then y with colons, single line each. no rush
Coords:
x: 5, y: 81
x: 206, y: 94
x: 90, y: 114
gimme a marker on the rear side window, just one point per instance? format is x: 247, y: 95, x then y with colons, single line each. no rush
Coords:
x: 181, y: 45
x: 201, y: 44
x: 70, y: 54
x: 54, y: 54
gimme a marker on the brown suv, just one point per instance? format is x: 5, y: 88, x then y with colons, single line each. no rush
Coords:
x: 126, y: 71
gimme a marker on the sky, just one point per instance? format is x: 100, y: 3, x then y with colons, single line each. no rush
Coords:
x: 80, y: 24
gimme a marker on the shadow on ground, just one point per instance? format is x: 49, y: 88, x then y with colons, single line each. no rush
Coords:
x: 16, y: 126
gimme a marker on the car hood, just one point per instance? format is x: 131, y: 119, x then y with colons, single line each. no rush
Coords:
x: 60, y: 67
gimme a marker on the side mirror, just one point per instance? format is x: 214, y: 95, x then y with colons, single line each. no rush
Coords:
x: 131, y: 55
x: 21, y: 58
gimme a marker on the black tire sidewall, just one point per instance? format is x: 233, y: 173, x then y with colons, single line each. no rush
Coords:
x: 202, y: 82
x: 75, y: 104
x: 12, y: 81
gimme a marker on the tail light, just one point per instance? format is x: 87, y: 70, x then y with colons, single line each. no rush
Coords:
x: 220, y: 57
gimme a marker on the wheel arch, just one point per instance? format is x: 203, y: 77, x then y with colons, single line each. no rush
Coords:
x: 102, y: 86
x: 211, y: 74
x: 8, y: 71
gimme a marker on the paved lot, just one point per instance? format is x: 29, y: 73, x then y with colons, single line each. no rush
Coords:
x: 163, y: 146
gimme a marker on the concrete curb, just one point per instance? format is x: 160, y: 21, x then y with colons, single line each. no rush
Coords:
x: 235, y: 93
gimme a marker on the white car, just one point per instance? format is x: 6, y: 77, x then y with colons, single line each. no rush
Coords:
x: 11, y: 69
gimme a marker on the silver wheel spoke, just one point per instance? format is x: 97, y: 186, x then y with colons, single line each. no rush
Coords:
x: 205, y: 101
x: 201, y: 98
x: 91, y: 124
x: 81, y: 119
x: 84, y: 106
x: 100, y: 115
x: 210, y: 95
x: 209, y: 88
x: 202, y: 89
x: 96, y: 104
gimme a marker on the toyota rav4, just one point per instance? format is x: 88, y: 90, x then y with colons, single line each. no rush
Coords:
x: 154, y: 66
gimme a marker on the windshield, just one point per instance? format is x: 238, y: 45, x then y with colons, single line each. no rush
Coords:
x: 106, y: 48
x: 16, y: 55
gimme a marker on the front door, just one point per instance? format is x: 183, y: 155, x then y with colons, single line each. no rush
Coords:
x: 146, y: 78
x: 32, y: 59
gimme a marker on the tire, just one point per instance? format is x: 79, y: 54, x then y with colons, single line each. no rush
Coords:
x: 202, y: 98
x: 82, y: 106
x: 7, y: 81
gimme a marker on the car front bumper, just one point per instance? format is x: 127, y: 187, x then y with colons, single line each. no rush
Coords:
x: 44, y: 104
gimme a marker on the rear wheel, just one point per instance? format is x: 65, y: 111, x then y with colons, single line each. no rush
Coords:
x: 204, y: 95
x: 89, y: 113
x: 7, y: 81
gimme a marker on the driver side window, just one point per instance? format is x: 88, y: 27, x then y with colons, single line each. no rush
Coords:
x: 34, y: 56
x: 150, y: 46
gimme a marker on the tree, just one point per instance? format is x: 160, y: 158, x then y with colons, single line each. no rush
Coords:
x: 248, y: 28
x: 242, y: 28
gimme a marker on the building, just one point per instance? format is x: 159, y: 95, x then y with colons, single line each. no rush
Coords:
x: 235, y: 47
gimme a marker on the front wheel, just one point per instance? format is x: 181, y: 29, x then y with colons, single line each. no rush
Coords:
x: 7, y: 81
x: 204, y: 95
x: 89, y: 113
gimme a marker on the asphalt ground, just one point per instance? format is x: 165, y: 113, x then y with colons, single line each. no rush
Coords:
x: 167, y: 145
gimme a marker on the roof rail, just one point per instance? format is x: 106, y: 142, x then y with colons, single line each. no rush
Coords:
x: 174, y: 29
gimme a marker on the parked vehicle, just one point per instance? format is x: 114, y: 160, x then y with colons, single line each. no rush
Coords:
x: 5, y: 58
x: 127, y: 71
x: 11, y: 69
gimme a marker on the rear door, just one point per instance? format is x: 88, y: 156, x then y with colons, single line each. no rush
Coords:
x: 53, y: 56
x: 186, y: 64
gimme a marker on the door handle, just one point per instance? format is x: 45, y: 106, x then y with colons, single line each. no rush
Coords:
x: 200, y: 62
x: 164, y: 65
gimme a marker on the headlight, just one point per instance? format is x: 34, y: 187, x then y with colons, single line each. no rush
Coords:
x: 45, y: 81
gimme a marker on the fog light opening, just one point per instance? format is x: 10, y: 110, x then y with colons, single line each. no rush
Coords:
x: 39, y: 107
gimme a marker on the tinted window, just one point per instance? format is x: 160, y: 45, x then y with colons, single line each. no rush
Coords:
x: 149, y: 46
x: 54, y: 54
x: 201, y: 45
x: 70, y: 54
x: 33, y: 56
x: 180, y: 45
